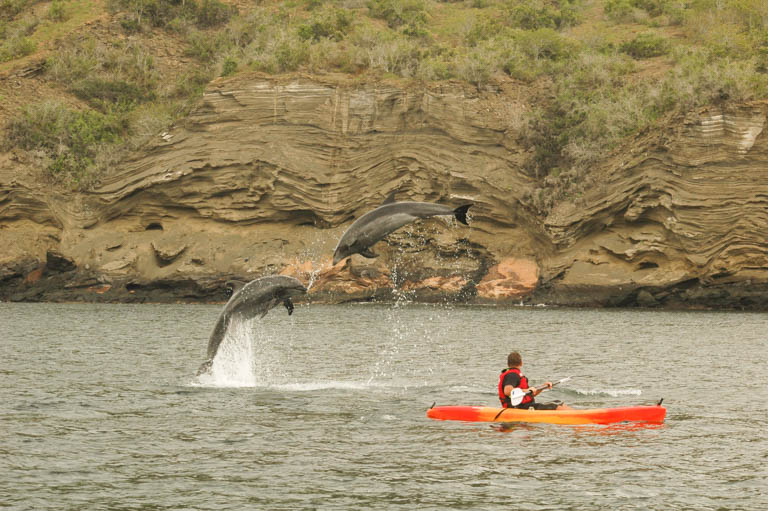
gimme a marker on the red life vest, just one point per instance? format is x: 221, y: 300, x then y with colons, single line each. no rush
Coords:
x: 505, y: 402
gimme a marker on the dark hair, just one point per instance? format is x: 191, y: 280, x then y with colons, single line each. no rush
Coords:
x: 514, y: 359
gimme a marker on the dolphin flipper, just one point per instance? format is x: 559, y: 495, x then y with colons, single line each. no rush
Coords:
x: 367, y: 252
x: 288, y: 305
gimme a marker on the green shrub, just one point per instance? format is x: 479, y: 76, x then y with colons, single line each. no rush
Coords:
x: 75, y: 62
x: 750, y: 14
x: 156, y: 13
x: 327, y: 55
x: 399, y: 12
x: 70, y: 138
x: 593, y: 108
x: 56, y: 11
x: 729, y: 28
x: 163, y: 13
x: 482, y: 29
x: 388, y: 52
x: 15, y: 42
x: 290, y: 55
x: 311, y: 5
x: 106, y: 93
x: 212, y: 13
x: 619, y: 10
x: 645, y: 45
x: 436, y: 68
x: 103, y: 75
x: 327, y: 24
x: 10, y: 8
x: 535, y: 14
x: 192, y: 83
x: 287, y: 52
x: 204, y: 46
x: 490, y: 56
x: 229, y: 67
x: 16, y: 47
x: 544, y: 43
x: 700, y: 77
x: 652, y: 7
x: 630, y: 10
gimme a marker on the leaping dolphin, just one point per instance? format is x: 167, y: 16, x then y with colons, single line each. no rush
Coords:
x: 387, y: 218
x: 257, y: 296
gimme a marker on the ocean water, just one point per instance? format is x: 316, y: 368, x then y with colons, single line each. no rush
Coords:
x: 100, y: 408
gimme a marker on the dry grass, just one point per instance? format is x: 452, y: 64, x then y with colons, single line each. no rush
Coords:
x: 602, y: 69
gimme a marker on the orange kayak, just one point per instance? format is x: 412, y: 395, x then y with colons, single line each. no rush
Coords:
x: 585, y: 416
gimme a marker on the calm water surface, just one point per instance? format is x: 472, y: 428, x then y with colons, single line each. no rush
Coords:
x: 100, y: 408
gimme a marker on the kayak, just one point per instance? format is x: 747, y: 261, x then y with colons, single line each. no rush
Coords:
x: 654, y: 413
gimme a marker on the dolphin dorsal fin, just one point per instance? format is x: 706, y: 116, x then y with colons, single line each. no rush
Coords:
x: 390, y: 199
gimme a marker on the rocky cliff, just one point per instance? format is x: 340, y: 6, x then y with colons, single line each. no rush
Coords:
x: 265, y: 176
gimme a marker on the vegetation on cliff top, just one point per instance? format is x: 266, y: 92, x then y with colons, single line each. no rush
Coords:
x: 602, y: 70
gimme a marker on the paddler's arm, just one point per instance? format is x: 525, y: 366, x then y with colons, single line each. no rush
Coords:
x: 535, y: 392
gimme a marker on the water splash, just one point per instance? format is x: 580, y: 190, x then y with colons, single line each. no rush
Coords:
x: 328, y: 385
x: 233, y: 365
x: 608, y: 392
x: 247, y: 357
x: 314, y: 252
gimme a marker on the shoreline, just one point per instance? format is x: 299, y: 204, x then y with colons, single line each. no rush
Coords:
x: 76, y: 287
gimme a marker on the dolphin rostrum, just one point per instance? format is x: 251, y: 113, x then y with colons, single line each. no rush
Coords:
x: 256, y: 297
x: 390, y: 216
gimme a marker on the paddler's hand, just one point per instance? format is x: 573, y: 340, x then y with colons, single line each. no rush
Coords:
x: 548, y: 384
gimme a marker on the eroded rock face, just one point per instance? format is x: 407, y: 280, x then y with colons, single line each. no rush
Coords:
x: 510, y: 279
x: 683, y: 215
x: 265, y: 176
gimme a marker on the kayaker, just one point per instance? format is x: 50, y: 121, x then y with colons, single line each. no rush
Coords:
x: 511, y: 378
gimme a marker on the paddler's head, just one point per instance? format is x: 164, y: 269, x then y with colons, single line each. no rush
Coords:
x: 514, y: 360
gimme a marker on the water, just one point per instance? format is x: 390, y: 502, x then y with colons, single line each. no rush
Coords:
x: 100, y: 409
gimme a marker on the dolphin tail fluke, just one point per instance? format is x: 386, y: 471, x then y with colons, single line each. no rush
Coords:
x: 461, y: 213
x: 205, y: 367
x: 288, y: 305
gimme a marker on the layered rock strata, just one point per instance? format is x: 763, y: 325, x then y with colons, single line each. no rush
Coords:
x: 265, y: 175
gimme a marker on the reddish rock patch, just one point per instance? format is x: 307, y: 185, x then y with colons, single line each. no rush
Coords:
x: 341, y: 279
x: 511, y: 278
x: 100, y: 290
x: 34, y: 276
x: 452, y: 284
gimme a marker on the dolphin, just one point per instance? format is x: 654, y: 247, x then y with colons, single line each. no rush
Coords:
x: 387, y: 218
x: 247, y: 300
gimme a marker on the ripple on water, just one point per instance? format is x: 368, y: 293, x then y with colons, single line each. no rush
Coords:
x: 326, y: 409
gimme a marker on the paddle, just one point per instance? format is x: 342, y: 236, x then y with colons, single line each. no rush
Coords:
x: 517, y: 394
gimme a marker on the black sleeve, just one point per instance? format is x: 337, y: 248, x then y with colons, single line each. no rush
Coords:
x: 511, y: 379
